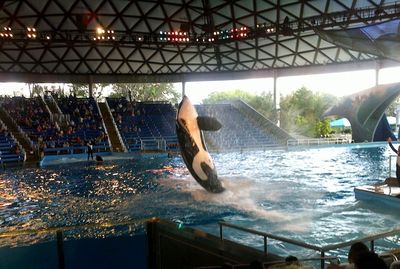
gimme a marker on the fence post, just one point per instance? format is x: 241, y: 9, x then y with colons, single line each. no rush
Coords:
x: 322, y: 260
x: 265, y: 245
x: 220, y: 231
x: 60, y: 250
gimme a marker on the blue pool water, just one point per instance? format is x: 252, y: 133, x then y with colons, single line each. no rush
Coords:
x: 304, y: 194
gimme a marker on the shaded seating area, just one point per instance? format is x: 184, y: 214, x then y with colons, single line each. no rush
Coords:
x: 33, y: 120
x: 31, y: 115
x: 44, y: 133
x: 237, y: 133
x: 145, y: 125
x: 84, y: 124
x: 10, y: 151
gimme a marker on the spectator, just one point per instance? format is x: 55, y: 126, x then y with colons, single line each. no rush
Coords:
x: 369, y: 260
x: 355, y: 250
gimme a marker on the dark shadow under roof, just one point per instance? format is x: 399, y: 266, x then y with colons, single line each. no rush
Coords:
x: 217, y: 40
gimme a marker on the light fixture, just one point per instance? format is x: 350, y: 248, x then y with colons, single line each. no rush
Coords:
x: 31, y: 32
x: 6, y: 33
x: 104, y: 35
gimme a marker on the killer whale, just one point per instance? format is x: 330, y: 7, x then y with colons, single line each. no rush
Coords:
x: 189, y: 127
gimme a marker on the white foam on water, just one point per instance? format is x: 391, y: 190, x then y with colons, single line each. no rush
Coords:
x: 239, y: 194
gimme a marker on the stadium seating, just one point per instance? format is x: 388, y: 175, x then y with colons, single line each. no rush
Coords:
x: 10, y: 152
x: 237, y: 133
x: 145, y: 125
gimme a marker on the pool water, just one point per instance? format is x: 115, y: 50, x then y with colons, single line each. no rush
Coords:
x: 306, y: 195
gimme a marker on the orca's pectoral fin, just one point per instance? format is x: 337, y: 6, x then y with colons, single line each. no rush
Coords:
x: 208, y: 123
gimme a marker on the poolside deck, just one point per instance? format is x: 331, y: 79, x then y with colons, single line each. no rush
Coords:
x: 387, y: 193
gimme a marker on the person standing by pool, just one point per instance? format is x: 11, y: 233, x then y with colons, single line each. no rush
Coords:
x: 389, y: 140
x: 89, y: 149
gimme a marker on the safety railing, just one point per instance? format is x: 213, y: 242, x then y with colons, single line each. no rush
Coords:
x: 318, y: 141
x: 76, y: 150
x: 131, y: 224
x: 322, y: 250
x: 278, y: 263
x: 121, y: 140
x: 156, y: 143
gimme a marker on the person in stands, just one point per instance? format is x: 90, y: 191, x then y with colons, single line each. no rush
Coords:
x: 356, y: 250
x: 369, y: 260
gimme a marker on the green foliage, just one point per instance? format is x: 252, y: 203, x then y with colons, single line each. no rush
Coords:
x: 391, y: 110
x: 40, y: 89
x: 262, y: 103
x: 79, y: 90
x: 82, y: 90
x: 218, y: 97
x: 323, y: 128
x: 146, y: 91
x: 301, y: 111
x: 35, y: 89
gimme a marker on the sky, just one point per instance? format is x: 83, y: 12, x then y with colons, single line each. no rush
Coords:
x: 338, y: 84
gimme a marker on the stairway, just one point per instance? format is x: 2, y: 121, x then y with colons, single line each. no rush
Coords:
x: 49, y: 101
x: 113, y: 134
x: 19, y: 136
x: 55, y: 111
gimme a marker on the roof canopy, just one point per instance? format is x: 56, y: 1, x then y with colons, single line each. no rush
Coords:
x: 340, y: 123
x: 178, y: 40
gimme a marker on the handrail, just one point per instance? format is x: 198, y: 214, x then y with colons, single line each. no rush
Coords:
x: 125, y: 149
x: 72, y: 149
x: 263, y: 263
x: 275, y: 237
x: 317, y: 141
x: 59, y: 232
x: 322, y: 250
x: 370, y: 238
x: 160, y: 141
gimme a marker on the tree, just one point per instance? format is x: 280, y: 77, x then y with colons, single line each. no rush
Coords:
x: 323, y: 128
x: 40, y: 89
x: 82, y: 90
x: 392, y: 108
x: 262, y: 103
x: 146, y: 92
x: 79, y: 90
x: 35, y: 89
x: 302, y: 110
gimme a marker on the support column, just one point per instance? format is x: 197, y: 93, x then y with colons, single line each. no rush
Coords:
x: 183, y: 88
x: 377, y: 69
x: 90, y: 86
x: 276, y: 104
x: 397, y: 120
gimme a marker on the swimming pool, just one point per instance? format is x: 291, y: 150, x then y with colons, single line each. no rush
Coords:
x: 304, y: 194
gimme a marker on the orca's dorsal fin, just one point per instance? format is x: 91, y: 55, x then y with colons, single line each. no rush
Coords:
x: 208, y: 123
